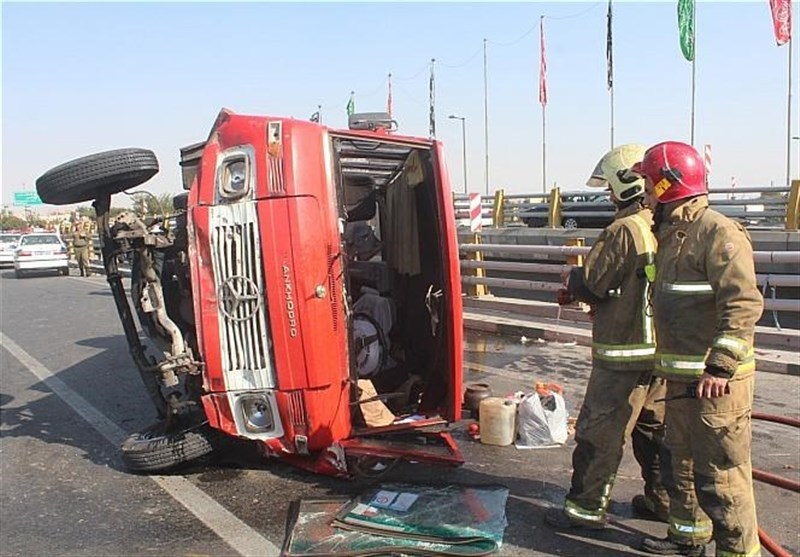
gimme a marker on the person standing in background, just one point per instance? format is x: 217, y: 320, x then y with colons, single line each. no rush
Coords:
x: 620, y: 398
x: 81, y: 241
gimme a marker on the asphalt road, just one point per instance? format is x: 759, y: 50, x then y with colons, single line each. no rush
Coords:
x: 69, y: 392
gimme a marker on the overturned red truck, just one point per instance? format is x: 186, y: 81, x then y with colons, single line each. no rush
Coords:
x: 308, y: 273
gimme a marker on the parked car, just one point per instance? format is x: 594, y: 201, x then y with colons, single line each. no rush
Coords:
x: 578, y: 210
x: 307, y: 298
x: 40, y: 252
x: 8, y: 243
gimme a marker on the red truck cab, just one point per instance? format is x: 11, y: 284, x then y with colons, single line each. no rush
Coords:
x: 324, y: 264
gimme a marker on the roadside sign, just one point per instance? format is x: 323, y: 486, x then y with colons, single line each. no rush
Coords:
x: 26, y: 198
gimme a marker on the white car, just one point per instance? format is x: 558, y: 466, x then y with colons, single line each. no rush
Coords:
x: 41, y: 252
x: 8, y: 243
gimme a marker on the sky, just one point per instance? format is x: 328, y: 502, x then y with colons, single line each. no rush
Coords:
x: 79, y: 78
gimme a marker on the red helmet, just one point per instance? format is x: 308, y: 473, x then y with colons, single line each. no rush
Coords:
x: 675, y: 169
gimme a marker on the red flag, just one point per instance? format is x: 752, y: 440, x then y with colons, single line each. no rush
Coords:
x: 542, y: 65
x: 389, y: 98
x: 782, y: 20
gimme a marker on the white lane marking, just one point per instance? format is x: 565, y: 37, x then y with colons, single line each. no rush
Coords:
x: 222, y: 522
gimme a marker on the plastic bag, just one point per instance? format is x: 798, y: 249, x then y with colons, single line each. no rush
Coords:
x: 542, y: 419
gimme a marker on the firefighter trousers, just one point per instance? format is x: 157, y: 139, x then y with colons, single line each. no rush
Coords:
x: 617, y: 405
x: 711, y: 469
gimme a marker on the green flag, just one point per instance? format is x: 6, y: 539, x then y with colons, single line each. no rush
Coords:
x: 351, y: 104
x: 686, y: 27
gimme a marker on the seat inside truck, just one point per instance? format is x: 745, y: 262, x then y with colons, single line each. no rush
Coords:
x: 394, y: 268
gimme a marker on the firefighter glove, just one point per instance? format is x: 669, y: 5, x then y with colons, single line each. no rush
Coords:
x: 718, y: 372
x: 564, y: 297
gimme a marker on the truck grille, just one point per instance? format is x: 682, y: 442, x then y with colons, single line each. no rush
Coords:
x: 297, y: 412
x: 275, y: 174
x: 245, y: 344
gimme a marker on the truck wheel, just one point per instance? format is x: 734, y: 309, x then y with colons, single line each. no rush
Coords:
x: 86, y: 178
x: 181, y: 201
x: 155, y: 449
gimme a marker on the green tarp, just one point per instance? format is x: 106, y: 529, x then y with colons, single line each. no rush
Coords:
x: 400, y: 519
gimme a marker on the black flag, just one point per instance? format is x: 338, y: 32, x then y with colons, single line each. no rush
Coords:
x: 432, y: 97
x: 609, y: 49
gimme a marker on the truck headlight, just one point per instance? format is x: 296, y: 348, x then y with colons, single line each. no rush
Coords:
x: 235, y: 173
x: 235, y: 177
x: 256, y: 413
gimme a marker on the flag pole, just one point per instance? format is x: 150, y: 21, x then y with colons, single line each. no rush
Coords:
x: 789, y: 120
x: 485, y: 119
x: 694, y: 65
x: 543, y: 101
x: 612, y: 116
x: 544, y: 153
x: 432, y: 98
x: 389, y: 98
x: 693, y: 90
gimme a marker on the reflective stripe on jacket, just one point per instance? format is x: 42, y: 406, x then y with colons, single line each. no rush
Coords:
x: 705, y: 298
x: 687, y: 366
x: 615, y: 275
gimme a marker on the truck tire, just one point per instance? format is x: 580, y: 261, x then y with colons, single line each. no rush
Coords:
x: 181, y: 201
x: 155, y: 450
x: 86, y: 178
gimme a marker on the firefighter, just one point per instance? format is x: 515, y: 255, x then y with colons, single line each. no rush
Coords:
x: 620, y: 398
x: 706, y: 304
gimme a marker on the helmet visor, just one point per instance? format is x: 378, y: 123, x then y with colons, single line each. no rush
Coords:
x: 598, y: 178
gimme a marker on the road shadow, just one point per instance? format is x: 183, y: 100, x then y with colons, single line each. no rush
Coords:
x: 107, y: 380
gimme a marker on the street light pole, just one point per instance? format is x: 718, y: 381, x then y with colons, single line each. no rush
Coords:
x: 463, y: 144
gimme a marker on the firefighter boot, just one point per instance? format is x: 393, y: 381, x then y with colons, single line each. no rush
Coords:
x: 558, y: 519
x: 665, y: 546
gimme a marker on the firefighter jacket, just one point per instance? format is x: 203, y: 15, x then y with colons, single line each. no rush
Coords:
x: 614, y: 279
x: 705, y: 298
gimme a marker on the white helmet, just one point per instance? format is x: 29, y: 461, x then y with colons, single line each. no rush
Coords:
x: 613, y: 171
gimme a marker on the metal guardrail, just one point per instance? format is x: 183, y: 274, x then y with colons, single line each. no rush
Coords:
x: 777, y: 207
x: 477, y: 267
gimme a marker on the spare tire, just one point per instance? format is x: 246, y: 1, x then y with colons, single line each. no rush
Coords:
x: 88, y: 177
